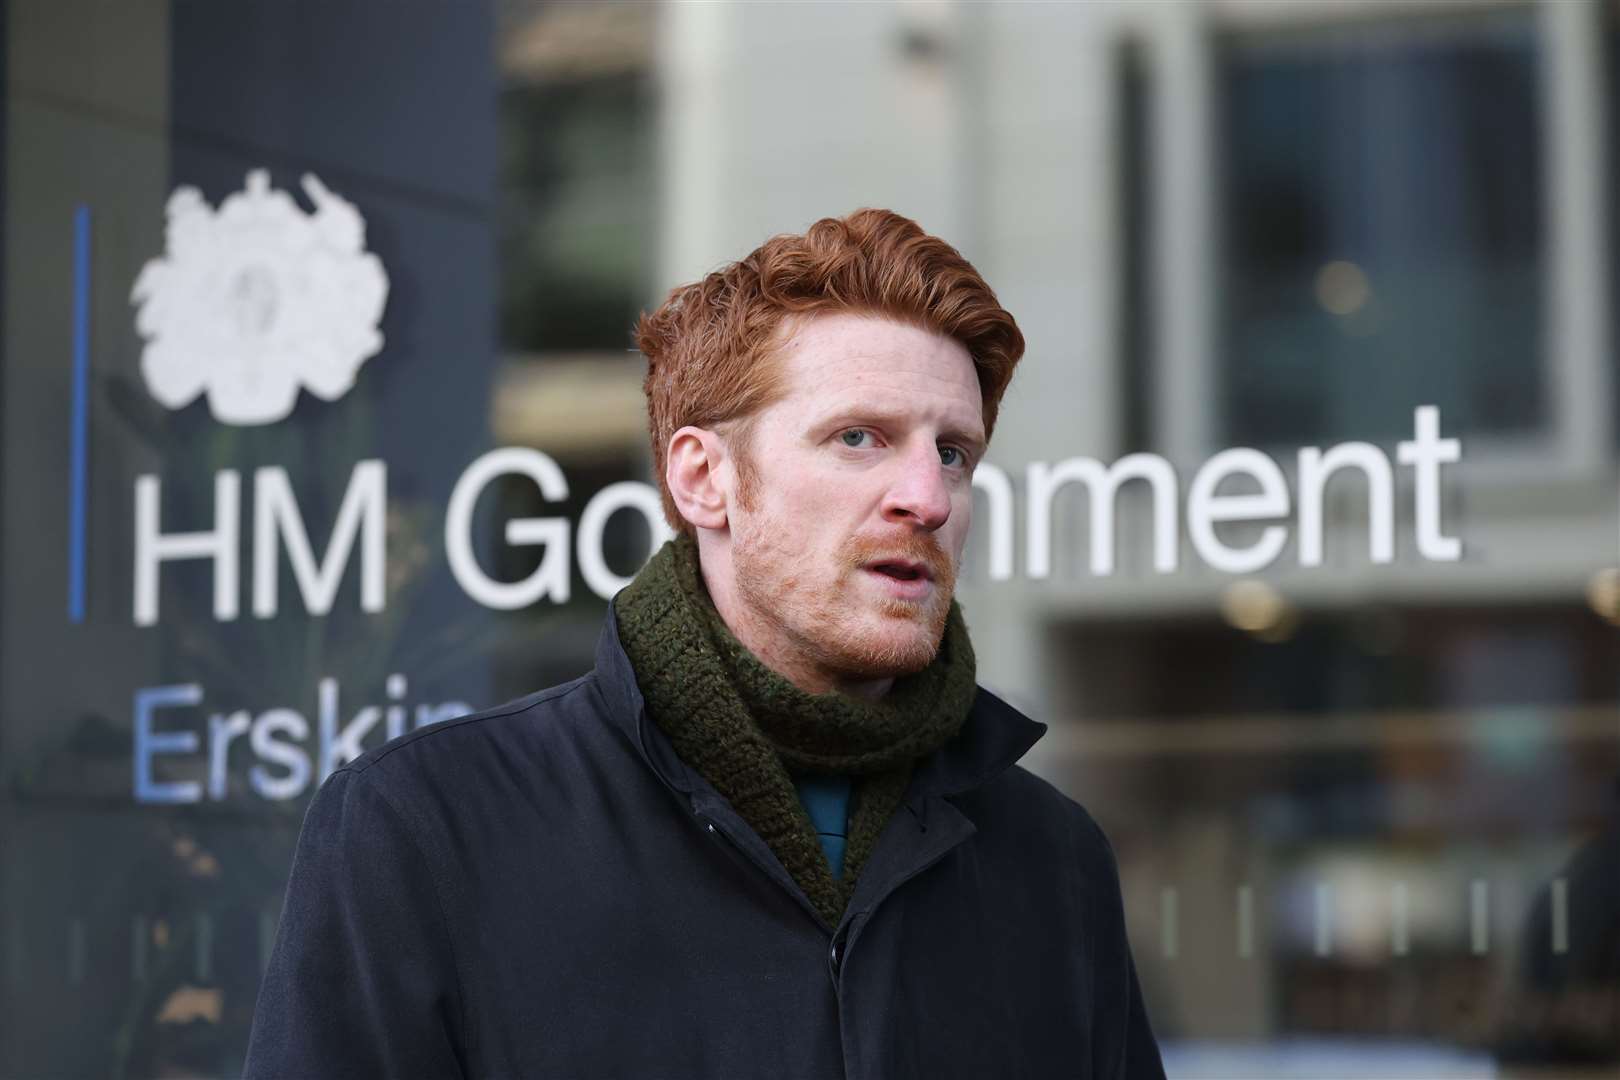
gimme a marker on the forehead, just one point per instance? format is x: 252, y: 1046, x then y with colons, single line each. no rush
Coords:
x: 846, y: 359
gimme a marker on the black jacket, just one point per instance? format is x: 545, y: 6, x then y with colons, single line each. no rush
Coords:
x: 545, y: 890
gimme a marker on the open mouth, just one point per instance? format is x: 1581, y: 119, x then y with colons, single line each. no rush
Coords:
x: 901, y: 571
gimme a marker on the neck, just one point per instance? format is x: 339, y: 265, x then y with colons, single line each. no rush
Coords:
x: 768, y: 641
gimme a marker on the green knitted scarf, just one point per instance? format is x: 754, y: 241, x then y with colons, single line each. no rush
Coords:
x: 747, y: 729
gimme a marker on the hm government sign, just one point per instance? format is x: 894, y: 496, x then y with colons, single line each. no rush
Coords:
x: 256, y: 300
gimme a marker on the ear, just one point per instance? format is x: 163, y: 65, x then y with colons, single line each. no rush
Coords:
x: 697, y: 482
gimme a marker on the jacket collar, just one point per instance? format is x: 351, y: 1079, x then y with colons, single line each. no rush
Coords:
x: 992, y: 739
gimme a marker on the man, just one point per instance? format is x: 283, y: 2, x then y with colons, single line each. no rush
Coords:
x: 778, y: 831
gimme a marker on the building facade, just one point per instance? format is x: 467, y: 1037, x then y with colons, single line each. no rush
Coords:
x: 321, y: 421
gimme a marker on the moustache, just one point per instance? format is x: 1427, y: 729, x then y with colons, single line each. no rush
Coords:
x: 911, y: 547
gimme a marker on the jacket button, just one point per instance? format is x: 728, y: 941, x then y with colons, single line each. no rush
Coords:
x: 837, y: 954
x: 708, y: 827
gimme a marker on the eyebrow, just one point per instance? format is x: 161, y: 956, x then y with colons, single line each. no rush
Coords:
x: 857, y: 415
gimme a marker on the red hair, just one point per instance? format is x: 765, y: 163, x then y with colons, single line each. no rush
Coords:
x: 710, y: 347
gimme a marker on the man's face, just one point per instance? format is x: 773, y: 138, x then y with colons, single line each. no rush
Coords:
x: 856, y: 495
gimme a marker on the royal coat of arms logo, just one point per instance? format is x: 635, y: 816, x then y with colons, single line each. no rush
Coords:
x: 254, y: 300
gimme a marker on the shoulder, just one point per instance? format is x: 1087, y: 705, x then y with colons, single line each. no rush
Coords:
x: 496, y: 724
x: 1032, y: 804
x: 996, y: 737
x: 490, y: 755
x: 1019, y: 812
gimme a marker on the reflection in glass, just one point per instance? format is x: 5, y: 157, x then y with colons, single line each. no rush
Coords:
x: 1381, y: 229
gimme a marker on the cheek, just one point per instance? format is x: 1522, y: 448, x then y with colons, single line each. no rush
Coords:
x: 823, y: 503
x: 798, y: 515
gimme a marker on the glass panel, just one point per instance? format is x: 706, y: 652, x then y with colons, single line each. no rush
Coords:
x: 299, y: 387
x: 1381, y: 229
x: 578, y: 241
x: 578, y: 206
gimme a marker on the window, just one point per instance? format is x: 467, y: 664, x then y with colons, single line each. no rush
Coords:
x: 1379, y: 218
x: 577, y: 176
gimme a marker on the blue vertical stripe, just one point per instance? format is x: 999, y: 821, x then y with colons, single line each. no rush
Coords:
x: 79, y: 428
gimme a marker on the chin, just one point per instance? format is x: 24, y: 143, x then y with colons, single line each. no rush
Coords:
x: 887, y: 646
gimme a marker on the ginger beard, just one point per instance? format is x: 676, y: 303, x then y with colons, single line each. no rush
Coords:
x: 839, y: 622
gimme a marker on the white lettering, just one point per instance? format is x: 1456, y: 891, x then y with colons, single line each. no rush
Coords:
x: 1314, y: 469
x: 997, y: 487
x: 276, y: 514
x: 626, y: 494
x: 290, y: 756
x: 339, y: 747
x: 1103, y: 483
x: 1426, y: 453
x: 550, y: 578
x: 1206, y: 509
x: 395, y: 714
x: 153, y: 547
x: 221, y: 731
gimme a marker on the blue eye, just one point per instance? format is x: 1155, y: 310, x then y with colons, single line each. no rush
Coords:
x: 946, y: 458
x: 853, y: 436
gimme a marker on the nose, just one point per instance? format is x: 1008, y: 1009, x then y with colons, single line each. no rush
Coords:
x: 918, y: 496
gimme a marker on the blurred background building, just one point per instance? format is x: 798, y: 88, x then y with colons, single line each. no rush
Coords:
x: 1362, y: 781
